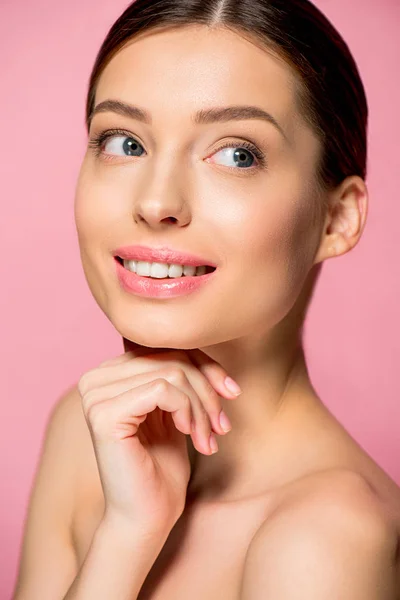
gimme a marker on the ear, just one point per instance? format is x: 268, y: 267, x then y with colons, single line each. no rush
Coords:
x: 345, y: 219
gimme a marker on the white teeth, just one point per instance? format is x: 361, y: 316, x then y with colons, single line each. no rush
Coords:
x: 162, y: 270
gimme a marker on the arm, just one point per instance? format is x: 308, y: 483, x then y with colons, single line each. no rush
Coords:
x: 324, y: 551
x: 48, y: 565
x: 116, y: 564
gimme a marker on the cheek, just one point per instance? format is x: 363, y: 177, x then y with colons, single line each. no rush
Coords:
x: 278, y: 234
x: 277, y: 250
x: 97, y: 205
x: 92, y: 221
x: 85, y: 196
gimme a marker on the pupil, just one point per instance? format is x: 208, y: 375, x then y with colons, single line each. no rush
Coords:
x: 130, y: 146
x: 241, y: 154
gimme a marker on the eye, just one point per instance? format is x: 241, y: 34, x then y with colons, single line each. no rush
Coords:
x: 241, y: 154
x: 117, y: 142
x: 123, y: 144
x: 111, y: 143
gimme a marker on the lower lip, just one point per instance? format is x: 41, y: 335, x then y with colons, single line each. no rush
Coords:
x: 160, y: 288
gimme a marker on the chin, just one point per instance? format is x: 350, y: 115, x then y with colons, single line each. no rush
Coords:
x: 157, y: 336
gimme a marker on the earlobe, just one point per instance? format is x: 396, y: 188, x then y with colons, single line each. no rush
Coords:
x: 345, y: 219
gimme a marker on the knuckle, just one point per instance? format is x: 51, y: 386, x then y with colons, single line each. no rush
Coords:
x: 186, y: 401
x: 177, y: 375
x: 160, y: 385
x: 85, y: 381
x: 89, y: 400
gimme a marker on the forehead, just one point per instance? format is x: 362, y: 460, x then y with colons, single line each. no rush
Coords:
x: 192, y: 67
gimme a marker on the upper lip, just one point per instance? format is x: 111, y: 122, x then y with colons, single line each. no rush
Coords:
x: 162, y: 254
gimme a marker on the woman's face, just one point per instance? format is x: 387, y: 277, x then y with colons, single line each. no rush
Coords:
x: 253, y: 220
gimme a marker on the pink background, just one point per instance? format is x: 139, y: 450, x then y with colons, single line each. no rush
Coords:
x: 53, y: 331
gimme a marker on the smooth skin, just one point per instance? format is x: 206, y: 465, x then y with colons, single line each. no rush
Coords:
x: 289, y: 493
x: 135, y: 407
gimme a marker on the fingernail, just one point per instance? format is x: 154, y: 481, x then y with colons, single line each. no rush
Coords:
x: 224, y: 421
x: 232, y: 386
x: 213, y: 444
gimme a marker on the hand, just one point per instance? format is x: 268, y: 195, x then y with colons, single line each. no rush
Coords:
x: 137, y: 408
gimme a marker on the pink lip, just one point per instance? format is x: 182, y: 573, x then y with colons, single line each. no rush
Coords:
x: 159, y: 288
x: 162, y: 254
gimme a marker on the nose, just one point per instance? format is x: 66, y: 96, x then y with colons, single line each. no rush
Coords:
x: 159, y: 212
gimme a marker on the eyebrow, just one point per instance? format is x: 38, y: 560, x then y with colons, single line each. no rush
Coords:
x: 203, y: 116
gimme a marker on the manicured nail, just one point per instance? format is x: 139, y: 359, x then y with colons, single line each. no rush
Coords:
x: 224, y: 421
x: 232, y: 386
x: 213, y: 444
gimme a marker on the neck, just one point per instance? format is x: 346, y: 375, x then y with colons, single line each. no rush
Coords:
x: 274, y: 409
x: 275, y: 406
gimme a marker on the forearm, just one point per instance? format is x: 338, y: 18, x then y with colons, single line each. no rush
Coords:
x: 116, y: 565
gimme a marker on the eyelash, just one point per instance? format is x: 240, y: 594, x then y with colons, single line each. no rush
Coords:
x: 98, y: 140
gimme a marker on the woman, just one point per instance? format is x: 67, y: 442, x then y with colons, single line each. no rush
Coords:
x: 228, y: 137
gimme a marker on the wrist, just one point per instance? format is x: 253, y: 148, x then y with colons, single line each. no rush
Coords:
x: 130, y: 532
x: 118, y: 561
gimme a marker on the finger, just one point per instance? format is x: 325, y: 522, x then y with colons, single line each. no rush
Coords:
x: 212, y: 371
x: 201, y: 424
x: 198, y: 423
x: 105, y: 372
x: 210, y: 400
x: 116, y: 360
x: 200, y: 431
x: 121, y: 415
x: 128, y: 365
x: 206, y: 404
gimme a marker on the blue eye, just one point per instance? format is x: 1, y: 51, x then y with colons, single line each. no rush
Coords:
x: 241, y: 152
x: 129, y: 147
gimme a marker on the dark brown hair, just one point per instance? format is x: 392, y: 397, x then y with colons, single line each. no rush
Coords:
x: 330, y: 94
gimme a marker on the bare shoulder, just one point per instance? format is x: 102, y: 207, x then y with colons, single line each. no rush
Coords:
x: 65, y: 443
x: 83, y: 456
x: 73, y: 430
x: 339, y: 493
x: 69, y: 435
x: 70, y: 409
x: 89, y: 503
x: 335, y: 525
x: 47, y: 545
